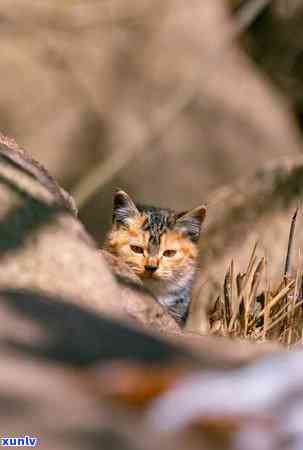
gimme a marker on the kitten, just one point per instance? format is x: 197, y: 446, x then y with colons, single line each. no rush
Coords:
x: 160, y: 246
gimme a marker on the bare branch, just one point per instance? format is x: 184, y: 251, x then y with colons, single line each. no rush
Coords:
x: 290, y: 243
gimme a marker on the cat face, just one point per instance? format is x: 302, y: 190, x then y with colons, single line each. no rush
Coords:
x: 158, y: 244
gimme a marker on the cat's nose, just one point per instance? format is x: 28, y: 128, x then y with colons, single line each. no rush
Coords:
x: 151, y: 268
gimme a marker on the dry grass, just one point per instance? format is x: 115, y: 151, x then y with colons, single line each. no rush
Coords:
x: 249, y: 307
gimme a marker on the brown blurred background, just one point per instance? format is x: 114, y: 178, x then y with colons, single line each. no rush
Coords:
x: 169, y: 100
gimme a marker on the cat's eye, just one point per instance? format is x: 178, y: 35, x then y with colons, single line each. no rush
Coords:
x: 169, y: 253
x: 137, y: 249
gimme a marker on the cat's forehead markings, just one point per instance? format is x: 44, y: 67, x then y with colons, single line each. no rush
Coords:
x: 156, y: 223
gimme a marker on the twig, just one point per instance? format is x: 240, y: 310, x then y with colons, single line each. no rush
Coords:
x: 228, y: 294
x: 275, y: 300
x: 295, y: 298
x: 253, y: 291
x: 283, y: 316
x: 290, y: 244
x: 241, y: 296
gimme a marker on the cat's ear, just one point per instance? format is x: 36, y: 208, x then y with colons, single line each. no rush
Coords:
x: 190, y: 222
x: 123, y: 207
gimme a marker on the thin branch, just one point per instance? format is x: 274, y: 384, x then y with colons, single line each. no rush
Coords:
x: 295, y: 299
x: 290, y: 243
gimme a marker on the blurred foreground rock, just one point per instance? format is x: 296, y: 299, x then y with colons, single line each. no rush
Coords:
x: 76, y: 380
x: 82, y: 362
x: 44, y: 248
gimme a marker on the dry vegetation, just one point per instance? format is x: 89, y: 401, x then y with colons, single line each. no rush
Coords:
x: 243, y: 311
x: 251, y: 304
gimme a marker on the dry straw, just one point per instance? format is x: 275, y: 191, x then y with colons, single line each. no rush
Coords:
x: 249, y: 308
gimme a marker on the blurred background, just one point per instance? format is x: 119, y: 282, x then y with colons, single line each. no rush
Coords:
x: 170, y: 100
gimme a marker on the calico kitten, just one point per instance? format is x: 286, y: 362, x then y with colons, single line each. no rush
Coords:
x: 160, y: 246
